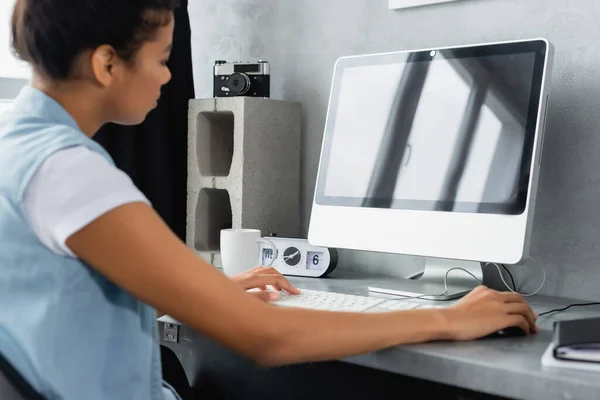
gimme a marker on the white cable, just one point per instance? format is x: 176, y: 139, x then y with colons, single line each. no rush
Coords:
x: 508, y: 287
x: 424, y: 296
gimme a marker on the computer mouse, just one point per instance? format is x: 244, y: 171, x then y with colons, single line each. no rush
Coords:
x: 511, y: 331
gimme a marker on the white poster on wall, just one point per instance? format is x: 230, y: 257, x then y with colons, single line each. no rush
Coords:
x: 10, y: 66
x: 397, y: 4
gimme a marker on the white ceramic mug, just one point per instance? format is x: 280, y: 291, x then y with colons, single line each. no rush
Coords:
x: 240, y: 249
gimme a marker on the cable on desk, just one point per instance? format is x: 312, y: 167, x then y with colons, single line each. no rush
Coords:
x: 512, y: 279
x: 567, y: 307
x: 425, y: 296
x: 514, y: 291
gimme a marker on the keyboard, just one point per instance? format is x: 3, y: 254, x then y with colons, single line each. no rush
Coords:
x: 331, y: 301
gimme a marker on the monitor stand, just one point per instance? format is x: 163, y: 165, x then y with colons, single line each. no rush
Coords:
x: 430, y: 285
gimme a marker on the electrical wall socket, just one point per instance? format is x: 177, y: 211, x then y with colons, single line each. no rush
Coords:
x: 171, y: 333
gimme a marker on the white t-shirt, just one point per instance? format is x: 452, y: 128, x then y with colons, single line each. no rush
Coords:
x: 72, y: 188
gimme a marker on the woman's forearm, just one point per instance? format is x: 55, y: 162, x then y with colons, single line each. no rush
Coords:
x: 306, y: 335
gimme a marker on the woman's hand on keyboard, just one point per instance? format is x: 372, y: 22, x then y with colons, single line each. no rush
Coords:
x: 484, y: 311
x: 259, y: 278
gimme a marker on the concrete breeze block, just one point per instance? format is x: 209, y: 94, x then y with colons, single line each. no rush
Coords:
x: 243, y: 169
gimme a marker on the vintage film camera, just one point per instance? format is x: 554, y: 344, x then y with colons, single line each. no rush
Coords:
x: 242, y: 79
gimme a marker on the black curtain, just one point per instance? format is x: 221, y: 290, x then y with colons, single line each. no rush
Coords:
x: 154, y: 154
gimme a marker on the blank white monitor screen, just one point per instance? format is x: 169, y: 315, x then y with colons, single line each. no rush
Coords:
x: 448, y: 130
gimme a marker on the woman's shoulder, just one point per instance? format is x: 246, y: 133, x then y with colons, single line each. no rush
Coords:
x: 23, y: 127
x: 28, y: 141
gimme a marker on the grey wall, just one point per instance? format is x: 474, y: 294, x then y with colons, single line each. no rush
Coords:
x: 10, y: 87
x: 303, y: 38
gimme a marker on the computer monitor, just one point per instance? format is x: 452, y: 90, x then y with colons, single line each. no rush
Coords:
x: 434, y: 153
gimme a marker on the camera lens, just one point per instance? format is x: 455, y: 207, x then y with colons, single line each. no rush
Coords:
x: 238, y: 83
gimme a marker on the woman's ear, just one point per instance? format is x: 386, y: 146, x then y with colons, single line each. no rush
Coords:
x: 105, y: 65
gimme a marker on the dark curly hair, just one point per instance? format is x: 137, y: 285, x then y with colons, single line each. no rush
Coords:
x: 50, y: 34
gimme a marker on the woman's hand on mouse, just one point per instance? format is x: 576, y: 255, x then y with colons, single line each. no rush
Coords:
x: 260, y: 278
x: 484, y: 311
